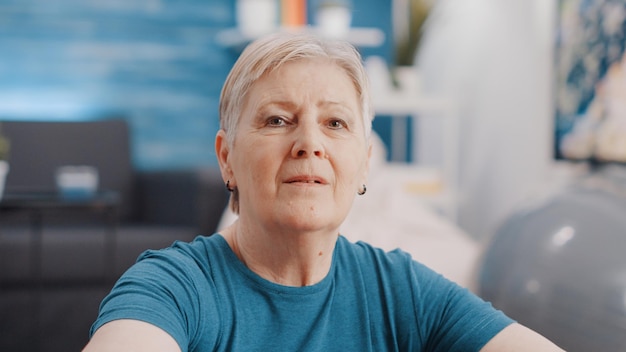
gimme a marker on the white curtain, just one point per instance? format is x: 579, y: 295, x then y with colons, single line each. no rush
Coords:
x: 493, y: 57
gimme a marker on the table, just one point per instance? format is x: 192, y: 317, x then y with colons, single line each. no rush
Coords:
x: 36, y: 203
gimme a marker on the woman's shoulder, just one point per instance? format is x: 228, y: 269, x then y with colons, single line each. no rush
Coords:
x: 179, y: 280
x: 365, y: 251
x: 198, y: 247
x: 395, y: 265
x: 194, y: 257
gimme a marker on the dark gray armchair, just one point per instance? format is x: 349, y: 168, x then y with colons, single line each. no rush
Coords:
x: 49, y: 295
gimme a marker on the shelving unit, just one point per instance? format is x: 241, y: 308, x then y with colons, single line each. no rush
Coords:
x: 436, y: 186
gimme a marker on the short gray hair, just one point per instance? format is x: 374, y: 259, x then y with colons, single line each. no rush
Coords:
x: 270, y: 52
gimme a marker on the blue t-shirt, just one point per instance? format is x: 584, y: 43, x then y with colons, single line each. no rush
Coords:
x: 208, y: 300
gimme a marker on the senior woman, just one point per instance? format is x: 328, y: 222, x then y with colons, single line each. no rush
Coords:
x: 293, y: 149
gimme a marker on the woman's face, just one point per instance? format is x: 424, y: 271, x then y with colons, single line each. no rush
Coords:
x: 300, y: 153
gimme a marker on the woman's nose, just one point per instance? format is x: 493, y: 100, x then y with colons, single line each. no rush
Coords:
x: 308, y: 142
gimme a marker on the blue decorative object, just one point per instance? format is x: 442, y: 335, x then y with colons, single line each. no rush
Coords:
x: 590, y: 84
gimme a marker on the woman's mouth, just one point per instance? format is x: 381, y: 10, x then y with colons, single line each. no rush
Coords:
x: 306, y: 179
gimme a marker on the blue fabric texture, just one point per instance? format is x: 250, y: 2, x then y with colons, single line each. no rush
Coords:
x: 208, y: 300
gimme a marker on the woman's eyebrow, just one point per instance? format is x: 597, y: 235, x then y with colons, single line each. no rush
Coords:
x: 280, y: 103
x: 335, y: 104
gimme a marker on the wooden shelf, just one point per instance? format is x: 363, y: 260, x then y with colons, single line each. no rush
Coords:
x: 399, y: 104
x: 360, y: 37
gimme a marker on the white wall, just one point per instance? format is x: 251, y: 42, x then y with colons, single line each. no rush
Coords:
x: 494, y: 58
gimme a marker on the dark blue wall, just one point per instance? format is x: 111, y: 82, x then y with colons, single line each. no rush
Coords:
x: 153, y: 62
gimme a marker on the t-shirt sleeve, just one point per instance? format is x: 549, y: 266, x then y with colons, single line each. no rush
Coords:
x: 159, y: 289
x: 451, y: 318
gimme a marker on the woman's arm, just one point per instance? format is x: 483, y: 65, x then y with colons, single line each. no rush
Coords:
x: 131, y: 335
x: 517, y: 337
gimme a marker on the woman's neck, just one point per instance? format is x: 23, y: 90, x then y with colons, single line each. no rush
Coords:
x: 290, y: 259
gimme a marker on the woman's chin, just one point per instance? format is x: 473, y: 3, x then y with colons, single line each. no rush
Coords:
x: 308, y: 219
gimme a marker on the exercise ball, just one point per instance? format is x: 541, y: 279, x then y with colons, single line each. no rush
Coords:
x: 559, y: 267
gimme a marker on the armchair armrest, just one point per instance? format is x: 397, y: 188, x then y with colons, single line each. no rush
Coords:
x: 193, y: 197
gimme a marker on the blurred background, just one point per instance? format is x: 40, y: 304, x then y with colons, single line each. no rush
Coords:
x: 490, y: 115
x: 160, y: 65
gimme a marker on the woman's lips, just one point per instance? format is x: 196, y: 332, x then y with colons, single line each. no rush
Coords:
x: 306, y: 179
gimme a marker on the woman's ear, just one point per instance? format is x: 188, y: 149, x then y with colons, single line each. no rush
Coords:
x: 222, y: 150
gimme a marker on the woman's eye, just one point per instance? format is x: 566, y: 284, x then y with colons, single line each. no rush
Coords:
x: 336, y: 124
x: 276, y: 121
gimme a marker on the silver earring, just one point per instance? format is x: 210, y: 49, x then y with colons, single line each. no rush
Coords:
x: 363, y: 191
x: 228, y: 186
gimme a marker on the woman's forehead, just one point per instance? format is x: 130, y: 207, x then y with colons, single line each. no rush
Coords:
x: 319, y: 79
